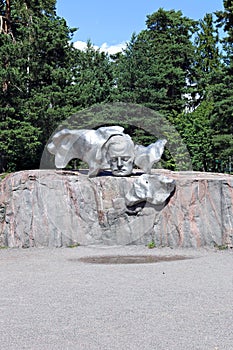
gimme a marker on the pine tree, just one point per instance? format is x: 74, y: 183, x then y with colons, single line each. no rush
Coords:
x: 222, y: 91
x: 93, y: 78
x: 196, y: 132
x: 35, y: 69
x: 158, y: 62
x: 208, y: 56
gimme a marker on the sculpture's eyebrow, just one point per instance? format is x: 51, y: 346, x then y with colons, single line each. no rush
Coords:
x: 122, y: 157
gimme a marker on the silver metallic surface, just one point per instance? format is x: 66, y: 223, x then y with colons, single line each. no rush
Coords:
x: 104, y: 148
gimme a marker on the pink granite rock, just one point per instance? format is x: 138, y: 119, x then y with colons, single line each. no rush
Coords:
x: 62, y: 208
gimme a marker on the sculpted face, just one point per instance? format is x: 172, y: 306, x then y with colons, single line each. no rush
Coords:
x: 120, y: 155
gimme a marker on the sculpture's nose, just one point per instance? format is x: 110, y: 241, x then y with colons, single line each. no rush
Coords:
x: 119, y: 162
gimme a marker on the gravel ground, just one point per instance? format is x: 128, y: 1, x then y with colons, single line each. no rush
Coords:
x: 49, y: 299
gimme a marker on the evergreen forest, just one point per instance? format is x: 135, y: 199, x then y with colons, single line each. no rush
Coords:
x: 177, y: 66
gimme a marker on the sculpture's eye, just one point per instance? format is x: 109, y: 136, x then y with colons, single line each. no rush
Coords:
x: 114, y: 159
x: 125, y: 159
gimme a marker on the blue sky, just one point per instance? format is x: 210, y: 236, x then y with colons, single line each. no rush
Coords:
x: 110, y: 23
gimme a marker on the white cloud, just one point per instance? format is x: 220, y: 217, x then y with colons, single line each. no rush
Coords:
x: 112, y: 49
x: 82, y: 45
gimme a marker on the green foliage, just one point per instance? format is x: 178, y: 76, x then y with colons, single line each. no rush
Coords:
x: 93, y: 77
x: 74, y: 245
x: 208, y: 56
x: 157, y: 63
x: 221, y: 247
x: 151, y: 245
x: 175, y: 67
x: 225, y: 20
x: 221, y: 89
x: 3, y: 175
x: 207, y: 49
x: 196, y: 132
x: 35, y: 69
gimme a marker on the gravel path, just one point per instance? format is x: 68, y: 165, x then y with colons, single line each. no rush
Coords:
x: 49, y: 299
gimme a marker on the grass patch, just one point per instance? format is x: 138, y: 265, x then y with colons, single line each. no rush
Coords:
x: 3, y: 175
x: 151, y: 245
x: 74, y: 245
x: 221, y: 247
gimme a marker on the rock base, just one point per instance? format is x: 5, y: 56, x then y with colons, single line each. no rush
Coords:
x: 63, y: 208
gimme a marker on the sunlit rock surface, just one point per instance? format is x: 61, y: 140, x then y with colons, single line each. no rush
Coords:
x: 65, y: 208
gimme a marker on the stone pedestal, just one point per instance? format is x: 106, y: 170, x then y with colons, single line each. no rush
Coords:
x: 63, y: 208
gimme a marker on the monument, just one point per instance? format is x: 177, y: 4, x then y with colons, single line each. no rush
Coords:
x: 121, y: 199
x: 104, y: 148
x: 110, y: 148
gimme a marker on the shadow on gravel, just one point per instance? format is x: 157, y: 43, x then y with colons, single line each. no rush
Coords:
x: 128, y: 259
